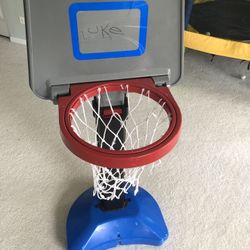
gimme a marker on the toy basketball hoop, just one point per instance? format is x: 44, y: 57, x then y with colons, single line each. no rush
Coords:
x: 108, y: 66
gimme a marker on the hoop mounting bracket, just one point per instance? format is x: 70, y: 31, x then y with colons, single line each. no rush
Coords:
x: 163, y: 80
x: 57, y: 90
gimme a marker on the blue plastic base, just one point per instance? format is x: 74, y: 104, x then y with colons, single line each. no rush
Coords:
x: 140, y: 222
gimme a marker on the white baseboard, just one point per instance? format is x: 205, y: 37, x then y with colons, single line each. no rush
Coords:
x: 17, y: 40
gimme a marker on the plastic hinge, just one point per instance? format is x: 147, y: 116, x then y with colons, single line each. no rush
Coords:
x: 163, y: 80
x: 58, y: 90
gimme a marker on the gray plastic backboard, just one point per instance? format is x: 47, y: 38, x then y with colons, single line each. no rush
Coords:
x: 72, y: 41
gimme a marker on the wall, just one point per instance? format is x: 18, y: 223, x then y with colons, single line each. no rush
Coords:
x: 3, y: 26
x: 13, y: 9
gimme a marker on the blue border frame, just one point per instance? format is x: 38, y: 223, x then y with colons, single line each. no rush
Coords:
x: 76, y: 7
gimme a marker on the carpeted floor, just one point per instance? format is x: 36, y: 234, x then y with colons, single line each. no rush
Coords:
x: 203, y: 188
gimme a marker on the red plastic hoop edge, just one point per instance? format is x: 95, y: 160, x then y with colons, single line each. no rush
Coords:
x: 120, y: 159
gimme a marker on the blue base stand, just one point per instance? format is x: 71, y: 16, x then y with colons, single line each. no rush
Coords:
x: 140, y: 222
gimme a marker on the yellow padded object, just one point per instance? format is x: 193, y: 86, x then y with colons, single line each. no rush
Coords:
x: 217, y: 46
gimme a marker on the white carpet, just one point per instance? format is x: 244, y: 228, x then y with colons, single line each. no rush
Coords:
x: 203, y: 188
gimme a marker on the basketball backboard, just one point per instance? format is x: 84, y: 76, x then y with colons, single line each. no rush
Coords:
x: 78, y: 41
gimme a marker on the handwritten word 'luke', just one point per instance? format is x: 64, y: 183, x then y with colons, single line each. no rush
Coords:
x: 102, y: 32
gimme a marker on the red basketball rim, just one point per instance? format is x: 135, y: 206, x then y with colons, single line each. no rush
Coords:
x: 119, y: 159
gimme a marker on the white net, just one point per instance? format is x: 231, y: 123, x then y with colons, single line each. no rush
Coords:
x: 145, y: 123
